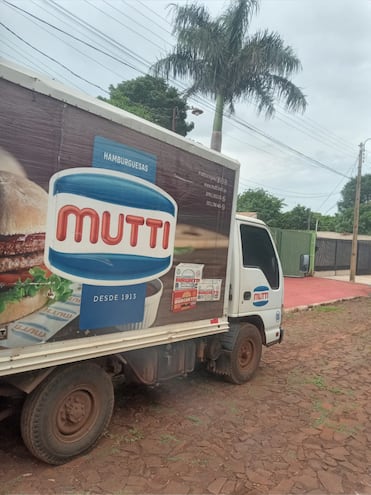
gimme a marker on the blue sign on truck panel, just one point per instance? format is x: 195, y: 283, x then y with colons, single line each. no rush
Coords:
x: 116, y: 156
x: 110, y: 306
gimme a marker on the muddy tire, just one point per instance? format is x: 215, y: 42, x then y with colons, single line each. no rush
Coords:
x: 67, y: 413
x: 245, y: 343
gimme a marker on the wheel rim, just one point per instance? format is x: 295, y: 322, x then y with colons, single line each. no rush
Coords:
x: 245, y: 354
x: 75, y: 415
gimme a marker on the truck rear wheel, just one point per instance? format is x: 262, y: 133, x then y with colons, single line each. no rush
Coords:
x: 245, y: 343
x: 67, y: 413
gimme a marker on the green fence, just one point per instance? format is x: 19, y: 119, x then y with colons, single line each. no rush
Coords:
x: 291, y: 246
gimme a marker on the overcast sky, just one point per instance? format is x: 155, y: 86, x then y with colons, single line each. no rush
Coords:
x: 290, y: 155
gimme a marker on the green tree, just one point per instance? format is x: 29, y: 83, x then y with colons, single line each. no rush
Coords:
x: 348, y: 193
x: 267, y: 206
x: 299, y: 218
x: 344, y: 220
x: 224, y: 62
x: 121, y: 101
x: 303, y: 218
x: 326, y: 223
x: 153, y: 99
x: 345, y: 216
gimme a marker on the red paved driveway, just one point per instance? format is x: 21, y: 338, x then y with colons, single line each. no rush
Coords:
x: 309, y: 291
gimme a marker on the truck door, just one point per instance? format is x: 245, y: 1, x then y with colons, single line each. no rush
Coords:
x: 260, y: 287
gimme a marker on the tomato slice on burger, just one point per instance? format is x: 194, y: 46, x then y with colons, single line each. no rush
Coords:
x: 11, y: 278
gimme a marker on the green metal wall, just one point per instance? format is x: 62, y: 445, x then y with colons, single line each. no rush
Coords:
x: 291, y: 244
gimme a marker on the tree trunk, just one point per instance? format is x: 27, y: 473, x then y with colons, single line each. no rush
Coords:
x: 216, y: 137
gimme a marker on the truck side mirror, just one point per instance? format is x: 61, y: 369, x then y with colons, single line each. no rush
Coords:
x: 304, y: 263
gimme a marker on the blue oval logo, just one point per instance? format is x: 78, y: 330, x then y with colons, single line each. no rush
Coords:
x: 108, y: 228
x: 261, y: 295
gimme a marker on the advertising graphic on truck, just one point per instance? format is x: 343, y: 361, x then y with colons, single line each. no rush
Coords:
x: 121, y: 255
x: 112, y: 231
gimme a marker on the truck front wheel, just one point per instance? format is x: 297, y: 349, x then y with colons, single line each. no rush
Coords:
x: 245, y: 345
x: 67, y: 413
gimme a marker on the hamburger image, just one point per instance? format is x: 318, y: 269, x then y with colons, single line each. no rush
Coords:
x: 26, y: 285
x: 8, y: 163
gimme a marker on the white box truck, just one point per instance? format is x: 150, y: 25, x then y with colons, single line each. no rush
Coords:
x: 121, y: 255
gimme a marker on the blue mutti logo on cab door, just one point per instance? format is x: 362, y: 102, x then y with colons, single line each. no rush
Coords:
x: 108, y: 228
x: 261, y: 295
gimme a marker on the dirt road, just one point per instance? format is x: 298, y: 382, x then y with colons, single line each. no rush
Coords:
x: 301, y: 426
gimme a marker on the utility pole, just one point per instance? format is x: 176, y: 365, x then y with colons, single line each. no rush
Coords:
x: 353, y: 258
x: 174, y: 119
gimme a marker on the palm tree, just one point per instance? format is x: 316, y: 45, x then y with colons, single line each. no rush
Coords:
x: 224, y: 62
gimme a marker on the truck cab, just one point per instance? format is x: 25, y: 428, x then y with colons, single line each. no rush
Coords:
x: 256, y: 291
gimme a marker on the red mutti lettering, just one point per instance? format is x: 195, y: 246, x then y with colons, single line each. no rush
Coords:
x: 261, y: 296
x: 101, y: 227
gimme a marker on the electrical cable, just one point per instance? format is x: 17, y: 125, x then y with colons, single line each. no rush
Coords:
x: 74, y: 37
x: 148, y: 64
x: 239, y: 121
x: 136, y: 23
x: 315, y: 126
x: 52, y: 59
x: 32, y: 64
x: 338, y: 185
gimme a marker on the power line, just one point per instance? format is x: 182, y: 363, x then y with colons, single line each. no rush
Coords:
x: 326, y: 140
x: 32, y: 63
x: 337, y: 186
x: 291, y: 194
x: 75, y: 48
x: 315, y: 127
x: 107, y: 39
x: 136, y: 23
x: 72, y: 36
x: 301, y: 155
x: 240, y: 122
x: 52, y: 59
x: 147, y: 7
x: 332, y: 140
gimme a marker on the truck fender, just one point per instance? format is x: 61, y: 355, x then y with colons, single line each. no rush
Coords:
x: 27, y: 382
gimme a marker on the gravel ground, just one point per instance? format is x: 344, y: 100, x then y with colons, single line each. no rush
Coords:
x: 301, y: 426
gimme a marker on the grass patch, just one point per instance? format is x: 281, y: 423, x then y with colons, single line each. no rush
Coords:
x: 322, y: 414
x: 318, y: 381
x: 327, y: 309
x: 194, y: 420
x: 234, y: 409
x: 296, y: 378
x: 324, y: 419
x: 167, y: 438
x: 134, y: 435
x: 175, y: 458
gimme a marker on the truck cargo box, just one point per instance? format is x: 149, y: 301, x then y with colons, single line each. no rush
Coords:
x: 114, y: 233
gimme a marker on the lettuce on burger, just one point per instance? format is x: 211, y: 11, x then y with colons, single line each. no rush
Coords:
x: 26, y: 284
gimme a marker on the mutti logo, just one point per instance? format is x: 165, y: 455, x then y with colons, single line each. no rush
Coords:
x: 108, y: 228
x: 261, y: 295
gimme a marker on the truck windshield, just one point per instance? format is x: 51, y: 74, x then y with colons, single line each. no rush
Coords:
x: 258, y: 252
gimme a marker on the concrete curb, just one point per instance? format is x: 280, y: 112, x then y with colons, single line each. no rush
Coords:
x: 313, y: 305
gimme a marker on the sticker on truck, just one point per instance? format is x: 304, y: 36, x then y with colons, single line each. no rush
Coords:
x: 261, y: 295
